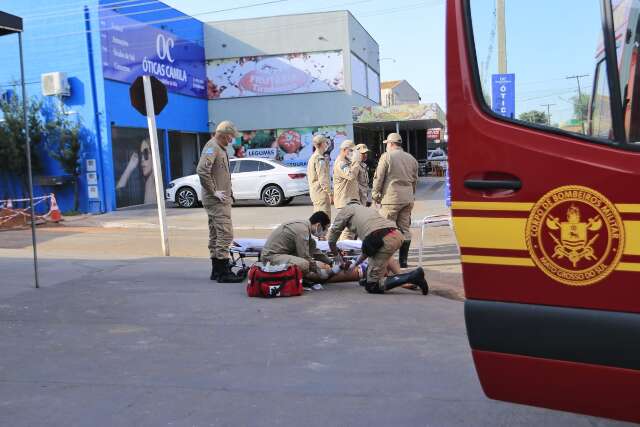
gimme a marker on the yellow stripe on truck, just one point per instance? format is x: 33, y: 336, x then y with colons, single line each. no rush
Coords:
x: 525, y: 207
x: 508, y: 233
x: 497, y: 260
x: 491, y: 233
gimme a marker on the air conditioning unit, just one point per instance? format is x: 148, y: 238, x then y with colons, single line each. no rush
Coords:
x: 55, y: 84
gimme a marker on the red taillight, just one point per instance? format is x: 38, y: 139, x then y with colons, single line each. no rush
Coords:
x: 297, y: 175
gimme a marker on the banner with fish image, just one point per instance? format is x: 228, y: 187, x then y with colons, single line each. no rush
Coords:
x: 275, y: 75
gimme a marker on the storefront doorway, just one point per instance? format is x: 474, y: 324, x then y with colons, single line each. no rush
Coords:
x: 184, y: 153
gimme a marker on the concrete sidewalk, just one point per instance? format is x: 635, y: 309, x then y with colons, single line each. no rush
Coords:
x: 153, y: 342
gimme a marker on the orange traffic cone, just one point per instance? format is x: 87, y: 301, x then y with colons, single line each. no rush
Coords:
x: 54, y: 213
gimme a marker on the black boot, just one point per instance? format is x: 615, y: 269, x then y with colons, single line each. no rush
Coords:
x: 214, y: 269
x: 416, y: 277
x: 226, y: 275
x: 373, y: 288
x: 404, y: 253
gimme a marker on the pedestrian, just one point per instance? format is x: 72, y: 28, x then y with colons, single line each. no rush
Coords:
x: 345, y: 180
x: 293, y: 242
x: 363, y: 174
x: 380, y: 240
x: 318, y: 176
x: 394, y: 188
x: 217, y: 197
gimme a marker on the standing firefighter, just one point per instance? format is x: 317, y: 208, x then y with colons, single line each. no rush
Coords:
x: 345, y: 179
x: 380, y: 240
x: 394, y: 187
x: 217, y: 197
x: 318, y: 175
x: 363, y: 174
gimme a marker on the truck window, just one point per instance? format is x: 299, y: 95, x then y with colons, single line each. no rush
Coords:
x: 550, y: 68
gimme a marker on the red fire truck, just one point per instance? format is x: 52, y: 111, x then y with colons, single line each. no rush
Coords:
x: 548, y: 219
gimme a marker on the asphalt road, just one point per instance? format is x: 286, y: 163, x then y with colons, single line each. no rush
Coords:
x: 152, y: 342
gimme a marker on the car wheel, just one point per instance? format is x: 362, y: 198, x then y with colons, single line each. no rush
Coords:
x: 287, y: 201
x: 186, y: 197
x: 272, y: 196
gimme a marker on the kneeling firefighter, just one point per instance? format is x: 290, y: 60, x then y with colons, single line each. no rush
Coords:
x: 381, y: 239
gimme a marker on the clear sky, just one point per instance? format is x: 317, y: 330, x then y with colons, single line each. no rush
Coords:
x: 410, y: 32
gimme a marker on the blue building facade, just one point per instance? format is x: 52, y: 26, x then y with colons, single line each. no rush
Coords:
x: 102, y: 46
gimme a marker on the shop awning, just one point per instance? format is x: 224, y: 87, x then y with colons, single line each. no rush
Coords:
x: 408, y: 116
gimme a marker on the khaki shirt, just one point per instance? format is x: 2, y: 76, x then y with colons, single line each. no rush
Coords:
x: 359, y: 219
x: 363, y: 183
x: 318, y: 176
x: 394, y: 182
x: 345, y: 182
x: 294, y: 238
x: 213, y: 170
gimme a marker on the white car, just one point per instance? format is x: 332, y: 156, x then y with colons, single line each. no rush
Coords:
x: 251, y: 179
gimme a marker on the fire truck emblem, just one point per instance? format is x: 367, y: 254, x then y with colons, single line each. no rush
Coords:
x: 575, y: 235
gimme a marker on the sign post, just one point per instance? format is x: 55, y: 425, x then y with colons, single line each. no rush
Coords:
x: 149, y: 97
x: 503, y: 94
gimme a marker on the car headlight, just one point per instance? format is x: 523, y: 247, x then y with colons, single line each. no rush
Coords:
x: 171, y: 185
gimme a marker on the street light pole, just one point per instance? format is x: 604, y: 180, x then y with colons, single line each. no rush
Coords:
x: 548, y: 112
x: 578, y: 77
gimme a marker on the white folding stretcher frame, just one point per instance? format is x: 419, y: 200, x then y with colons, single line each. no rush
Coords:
x: 252, y: 248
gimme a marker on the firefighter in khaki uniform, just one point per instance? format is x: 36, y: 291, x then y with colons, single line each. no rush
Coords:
x: 394, y: 187
x: 380, y: 240
x: 318, y: 176
x: 363, y: 174
x: 293, y: 243
x: 345, y: 180
x: 217, y: 197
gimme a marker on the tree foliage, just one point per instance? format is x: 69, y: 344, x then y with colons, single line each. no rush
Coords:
x: 13, y: 157
x: 534, y: 116
x: 580, y: 106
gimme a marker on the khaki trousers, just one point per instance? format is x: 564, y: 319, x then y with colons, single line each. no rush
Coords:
x: 377, y: 268
x: 401, y: 215
x: 304, y: 265
x: 220, y: 229
x: 322, y: 203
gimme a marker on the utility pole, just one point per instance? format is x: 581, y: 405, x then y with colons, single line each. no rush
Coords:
x: 548, y: 112
x: 578, y: 77
x: 502, y: 37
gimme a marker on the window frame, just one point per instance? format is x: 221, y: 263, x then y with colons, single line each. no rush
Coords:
x: 619, y: 141
x: 247, y: 161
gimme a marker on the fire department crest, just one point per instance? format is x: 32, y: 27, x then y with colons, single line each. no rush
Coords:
x: 575, y: 235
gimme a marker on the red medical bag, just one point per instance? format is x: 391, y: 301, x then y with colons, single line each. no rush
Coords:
x: 274, y: 281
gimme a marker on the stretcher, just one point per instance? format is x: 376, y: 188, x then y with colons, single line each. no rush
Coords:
x: 241, y: 249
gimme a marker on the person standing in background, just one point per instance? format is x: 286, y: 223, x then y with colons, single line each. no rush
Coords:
x: 217, y: 197
x: 318, y: 176
x: 394, y: 188
x: 363, y: 174
x: 345, y: 180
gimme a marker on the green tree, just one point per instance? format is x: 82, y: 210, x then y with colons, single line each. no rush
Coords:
x: 13, y: 157
x: 64, y: 143
x: 580, y: 106
x: 534, y: 116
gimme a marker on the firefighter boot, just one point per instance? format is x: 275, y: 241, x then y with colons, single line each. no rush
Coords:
x: 215, y: 273
x: 225, y: 273
x: 416, y: 277
x: 404, y: 253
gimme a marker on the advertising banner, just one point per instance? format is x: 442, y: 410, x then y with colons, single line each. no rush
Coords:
x: 398, y: 113
x: 133, y: 166
x: 503, y: 94
x: 131, y: 48
x: 275, y: 75
x: 291, y: 146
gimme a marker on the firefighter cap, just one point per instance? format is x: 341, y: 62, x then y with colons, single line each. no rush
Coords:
x: 393, y: 137
x: 319, y: 139
x: 228, y: 128
x: 362, y: 148
x: 347, y: 144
